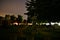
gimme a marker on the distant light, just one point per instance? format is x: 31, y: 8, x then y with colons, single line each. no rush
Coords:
x: 15, y: 23
x: 47, y: 24
x: 43, y: 23
x: 58, y: 24
x: 29, y: 23
x: 52, y: 23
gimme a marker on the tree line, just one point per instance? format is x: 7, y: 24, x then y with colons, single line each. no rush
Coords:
x: 10, y: 19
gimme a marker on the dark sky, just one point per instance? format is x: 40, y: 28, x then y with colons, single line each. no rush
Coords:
x: 13, y: 7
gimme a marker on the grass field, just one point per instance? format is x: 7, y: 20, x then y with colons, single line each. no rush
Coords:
x: 24, y: 32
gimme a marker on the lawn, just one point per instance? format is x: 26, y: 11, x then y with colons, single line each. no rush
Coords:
x: 23, y: 32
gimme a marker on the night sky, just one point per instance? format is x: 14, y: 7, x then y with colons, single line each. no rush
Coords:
x: 13, y: 7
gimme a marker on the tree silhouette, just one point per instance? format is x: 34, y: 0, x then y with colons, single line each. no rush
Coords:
x: 30, y: 5
x: 44, y: 9
x: 48, y: 10
x: 19, y: 19
x: 1, y: 20
x: 6, y: 21
x: 13, y: 18
x: 7, y: 17
x: 36, y: 8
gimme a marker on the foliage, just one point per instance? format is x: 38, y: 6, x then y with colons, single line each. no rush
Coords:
x: 7, y: 17
x: 19, y: 19
x: 43, y: 9
x: 1, y: 18
x: 36, y: 32
x: 13, y: 18
x: 31, y: 9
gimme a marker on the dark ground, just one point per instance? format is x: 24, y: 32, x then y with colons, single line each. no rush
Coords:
x: 29, y: 33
